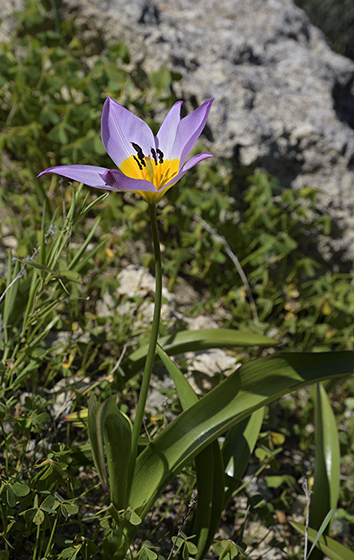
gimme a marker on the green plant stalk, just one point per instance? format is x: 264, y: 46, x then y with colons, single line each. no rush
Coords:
x: 49, y: 545
x: 5, y: 438
x: 36, y: 543
x: 150, y: 358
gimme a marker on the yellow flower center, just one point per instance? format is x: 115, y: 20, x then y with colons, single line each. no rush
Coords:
x: 154, y: 169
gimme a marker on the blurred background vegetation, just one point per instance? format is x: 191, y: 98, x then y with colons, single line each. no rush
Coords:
x: 336, y: 19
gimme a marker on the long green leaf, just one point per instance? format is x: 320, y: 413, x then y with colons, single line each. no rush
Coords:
x: 11, y: 295
x: 321, y: 531
x: 211, y: 489
x: 185, y: 392
x: 328, y: 546
x: 56, y: 248
x: 34, y: 287
x: 249, y: 388
x: 327, y: 466
x: 42, y: 241
x: 96, y: 441
x: 202, y: 339
x: 209, y: 468
x: 81, y: 258
x: 81, y: 252
x: 237, y: 449
x: 85, y: 209
x: 117, y: 435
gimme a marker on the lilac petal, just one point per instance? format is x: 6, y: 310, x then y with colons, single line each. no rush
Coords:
x: 118, y: 181
x: 190, y: 163
x: 189, y: 129
x: 119, y: 128
x: 90, y: 175
x: 166, y: 136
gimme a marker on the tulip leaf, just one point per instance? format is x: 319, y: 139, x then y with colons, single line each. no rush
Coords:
x: 249, y: 388
x: 117, y: 437
x: 330, y: 547
x: 195, y: 341
x: 211, y: 487
x: 96, y: 440
x: 327, y: 460
x: 209, y: 468
x: 237, y: 449
x: 321, y: 530
x: 185, y: 392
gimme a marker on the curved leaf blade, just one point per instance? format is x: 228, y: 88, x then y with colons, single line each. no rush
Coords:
x: 185, y: 392
x: 211, y: 490
x: 249, y: 388
x: 209, y: 468
x: 237, y: 449
x: 321, y: 530
x: 117, y: 436
x: 195, y: 341
x: 328, y: 546
x: 96, y: 441
x: 327, y: 465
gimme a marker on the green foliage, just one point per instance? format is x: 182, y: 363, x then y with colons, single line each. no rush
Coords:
x: 62, y: 247
x: 327, y: 472
x: 294, y: 288
x: 52, y: 95
x: 330, y: 547
x: 335, y: 18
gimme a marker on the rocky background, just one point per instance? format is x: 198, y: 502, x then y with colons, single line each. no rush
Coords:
x: 283, y: 103
x: 283, y: 98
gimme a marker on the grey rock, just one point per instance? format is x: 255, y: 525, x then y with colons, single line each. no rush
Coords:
x: 8, y: 22
x: 282, y: 97
x: 136, y: 281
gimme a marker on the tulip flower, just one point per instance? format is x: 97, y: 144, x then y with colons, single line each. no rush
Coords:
x: 146, y: 165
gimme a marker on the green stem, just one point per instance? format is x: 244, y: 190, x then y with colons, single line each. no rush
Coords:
x: 6, y: 440
x: 140, y: 411
x: 117, y: 545
x: 36, y: 543
x: 49, y: 545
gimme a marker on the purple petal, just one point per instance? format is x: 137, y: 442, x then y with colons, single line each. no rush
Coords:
x: 189, y: 129
x: 118, y: 181
x: 166, y: 136
x: 88, y: 174
x: 119, y: 128
x: 190, y: 163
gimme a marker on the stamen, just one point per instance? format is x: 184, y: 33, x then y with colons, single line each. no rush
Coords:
x: 161, y: 155
x: 138, y: 162
x: 154, y: 155
x: 150, y: 169
x: 140, y: 153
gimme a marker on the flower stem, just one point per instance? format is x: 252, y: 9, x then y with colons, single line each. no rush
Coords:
x: 154, y: 334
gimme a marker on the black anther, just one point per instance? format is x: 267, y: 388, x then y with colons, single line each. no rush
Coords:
x: 139, y: 151
x: 153, y: 151
x: 138, y: 162
x: 160, y: 154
